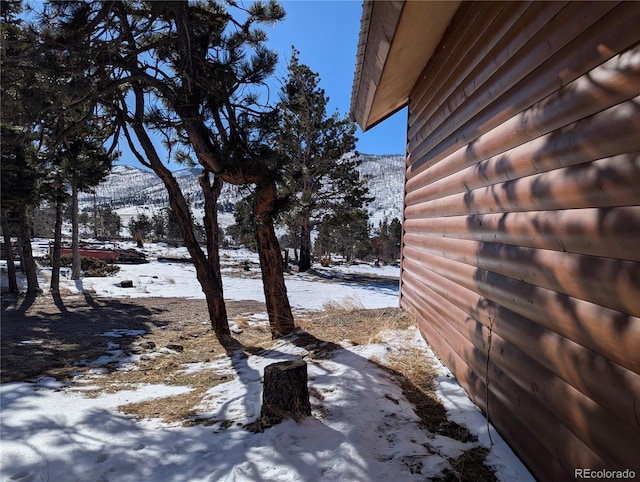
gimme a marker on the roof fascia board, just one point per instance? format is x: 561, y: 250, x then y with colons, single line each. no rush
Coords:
x: 377, y: 29
x: 393, y: 51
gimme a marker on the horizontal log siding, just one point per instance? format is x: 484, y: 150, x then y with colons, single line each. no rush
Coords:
x: 521, y: 244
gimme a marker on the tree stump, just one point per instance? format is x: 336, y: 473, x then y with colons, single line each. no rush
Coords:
x: 284, y: 395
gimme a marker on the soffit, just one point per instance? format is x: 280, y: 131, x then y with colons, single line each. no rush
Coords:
x: 397, y: 39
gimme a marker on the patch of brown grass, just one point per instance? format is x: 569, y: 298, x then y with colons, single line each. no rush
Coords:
x: 358, y: 326
x: 416, y: 377
x: 469, y: 467
x: 174, y: 409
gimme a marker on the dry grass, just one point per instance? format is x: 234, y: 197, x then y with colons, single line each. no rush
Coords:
x: 345, y: 304
x: 416, y: 377
x: 358, y: 326
x: 241, y: 322
x: 412, y: 364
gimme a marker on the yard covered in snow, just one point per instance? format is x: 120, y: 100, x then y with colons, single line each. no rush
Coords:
x: 363, y: 427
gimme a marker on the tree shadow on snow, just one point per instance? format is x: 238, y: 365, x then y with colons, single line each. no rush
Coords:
x: 49, y: 335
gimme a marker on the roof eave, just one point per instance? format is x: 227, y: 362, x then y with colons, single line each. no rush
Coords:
x: 397, y: 39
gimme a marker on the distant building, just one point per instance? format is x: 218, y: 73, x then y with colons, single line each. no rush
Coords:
x: 521, y: 242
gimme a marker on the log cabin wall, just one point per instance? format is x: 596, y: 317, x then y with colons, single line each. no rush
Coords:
x: 521, y: 244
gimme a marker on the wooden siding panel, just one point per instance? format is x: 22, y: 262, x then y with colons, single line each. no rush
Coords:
x: 540, y: 385
x: 522, y: 225
x: 612, y: 233
x: 531, y: 134
x: 605, y: 183
x: 509, y: 32
x: 550, y: 349
x: 574, y: 275
x: 610, y: 333
x: 494, y: 105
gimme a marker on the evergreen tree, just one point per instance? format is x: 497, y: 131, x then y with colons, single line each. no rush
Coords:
x: 83, y: 163
x: 159, y: 224
x: 173, y: 225
x: 320, y: 172
x: 23, y: 99
x: 107, y: 223
x: 387, y: 245
x: 243, y: 231
x: 346, y: 234
x: 140, y: 227
x: 199, y: 90
x: 395, y: 237
x: 44, y: 219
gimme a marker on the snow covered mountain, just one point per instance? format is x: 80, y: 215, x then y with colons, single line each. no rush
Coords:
x: 130, y: 190
x: 386, y: 184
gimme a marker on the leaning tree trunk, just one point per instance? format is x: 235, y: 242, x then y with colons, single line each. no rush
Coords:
x: 57, y: 244
x: 208, y: 274
x: 271, y: 264
x: 11, y: 265
x: 28, y: 263
x: 208, y: 277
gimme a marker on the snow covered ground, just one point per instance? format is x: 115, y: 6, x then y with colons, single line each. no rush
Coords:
x: 366, y: 431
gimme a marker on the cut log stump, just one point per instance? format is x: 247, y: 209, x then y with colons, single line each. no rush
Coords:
x: 284, y: 394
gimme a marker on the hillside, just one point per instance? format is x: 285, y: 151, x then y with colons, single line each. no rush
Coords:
x: 130, y: 190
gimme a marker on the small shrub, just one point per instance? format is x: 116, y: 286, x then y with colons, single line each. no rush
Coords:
x: 91, y: 266
x: 346, y: 304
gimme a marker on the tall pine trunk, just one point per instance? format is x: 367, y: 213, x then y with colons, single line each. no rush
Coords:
x: 212, y: 190
x: 57, y: 244
x: 208, y: 276
x: 271, y: 264
x: 75, y: 234
x: 29, y: 267
x: 11, y: 265
x: 305, y: 245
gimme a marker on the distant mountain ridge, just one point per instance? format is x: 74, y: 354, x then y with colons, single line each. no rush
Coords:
x: 129, y: 186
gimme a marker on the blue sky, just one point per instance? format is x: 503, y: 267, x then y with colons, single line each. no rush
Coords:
x: 326, y: 34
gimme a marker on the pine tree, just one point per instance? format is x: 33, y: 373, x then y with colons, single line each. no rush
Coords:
x: 83, y: 163
x: 140, y: 227
x: 387, y: 245
x: 199, y: 91
x: 320, y: 170
x: 346, y: 234
x: 22, y: 100
x: 243, y: 231
x: 107, y: 223
x: 395, y: 237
